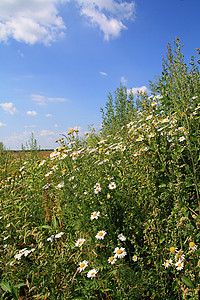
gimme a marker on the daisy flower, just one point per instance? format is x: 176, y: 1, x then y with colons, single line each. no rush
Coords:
x: 112, y: 260
x: 192, y: 246
x: 40, y: 245
x: 181, y: 139
x: 92, y: 273
x: 8, y: 225
x: 79, y: 242
x: 173, y: 249
x: 120, y: 252
x: 100, y: 235
x: 139, y: 139
x: 60, y: 185
x: 82, y: 265
x: 96, y: 185
x: 95, y: 215
x: 97, y: 190
x: 179, y: 265
x: 134, y: 258
x: 112, y: 185
x: 149, y: 117
x: 121, y: 237
x: 167, y: 263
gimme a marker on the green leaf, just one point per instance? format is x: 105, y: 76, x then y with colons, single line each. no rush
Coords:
x: 5, y: 286
x: 162, y: 240
x: 187, y: 281
x: 46, y: 226
x: 54, y: 222
x: 162, y: 185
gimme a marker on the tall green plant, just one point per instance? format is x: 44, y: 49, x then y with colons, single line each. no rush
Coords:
x: 118, y: 111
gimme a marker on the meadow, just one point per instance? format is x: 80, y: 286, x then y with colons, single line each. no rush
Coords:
x: 114, y: 214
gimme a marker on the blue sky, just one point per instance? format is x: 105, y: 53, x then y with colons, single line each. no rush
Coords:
x: 59, y: 59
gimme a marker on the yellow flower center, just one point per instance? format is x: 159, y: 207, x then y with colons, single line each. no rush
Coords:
x: 191, y: 244
x: 100, y: 233
x: 93, y: 273
x: 80, y: 242
x: 111, y: 258
x: 172, y: 249
x: 179, y: 265
x: 119, y: 251
x: 167, y: 261
x: 94, y: 215
x: 82, y: 265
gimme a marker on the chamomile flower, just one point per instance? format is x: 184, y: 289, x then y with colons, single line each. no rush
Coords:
x: 82, y: 265
x: 92, y: 273
x: 60, y: 185
x: 134, y: 258
x: 173, y: 250
x: 179, y: 265
x: 100, y: 235
x: 95, y: 215
x: 79, y: 242
x: 112, y: 185
x: 120, y: 252
x: 167, y: 263
x: 192, y: 246
x: 8, y: 225
x: 181, y: 139
x: 97, y: 190
x: 112, y: 260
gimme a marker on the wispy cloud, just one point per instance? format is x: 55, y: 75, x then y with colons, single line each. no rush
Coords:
x: 123, y: 80
x: 48, y: 115
x: 29, y: 126
x: 31, y: 21
x: 9, y: 108
x: 42, y: 100
x: 31, y: 113
x: 103, y: 73
x: 108, y: 15
x: 137, y: 90
x: 2, y: 124
x: 45, y: 132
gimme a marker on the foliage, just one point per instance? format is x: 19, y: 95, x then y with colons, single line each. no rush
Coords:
x: 115, y: 215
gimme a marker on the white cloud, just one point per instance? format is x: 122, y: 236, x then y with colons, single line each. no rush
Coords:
x: 9, y: 108
x: 29, y: 126
x: 31, y: 113
x: 108, y: 15
x: 123, y: 80
x: 31, y: 21
x: 2, y: 124
x: 42, y: 100
x: 48, y: 115
x: 39, y: 21
x: 137, y: 90
x: 103, y: 73
x: 56, y: 125
x: 46, y: 132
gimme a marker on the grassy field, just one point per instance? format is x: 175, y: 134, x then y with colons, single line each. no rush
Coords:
x: 114, y: 214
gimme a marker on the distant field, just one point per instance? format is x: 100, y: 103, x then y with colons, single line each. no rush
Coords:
x: 42, y: 153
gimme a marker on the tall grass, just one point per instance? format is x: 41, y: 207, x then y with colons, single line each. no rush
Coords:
x: 115, y: 214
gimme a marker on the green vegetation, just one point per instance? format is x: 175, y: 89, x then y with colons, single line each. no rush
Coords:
x: 115, y: 214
